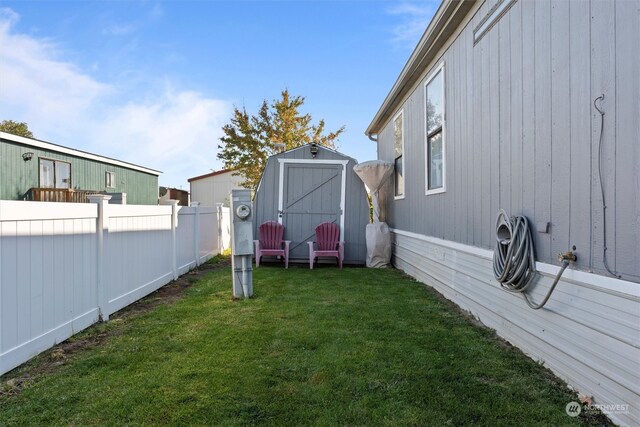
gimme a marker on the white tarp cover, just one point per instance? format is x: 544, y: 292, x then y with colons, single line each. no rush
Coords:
x: 378, y: 245
x: 374, y: 174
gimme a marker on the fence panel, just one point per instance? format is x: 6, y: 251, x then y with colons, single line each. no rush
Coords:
x: 54, y: 264
x: 208, y: 241
x: 137, y: 250
x: 224, y: 228
x: 186, y: 238
x: 47, y: 276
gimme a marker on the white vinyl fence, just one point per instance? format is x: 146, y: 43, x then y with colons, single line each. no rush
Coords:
x: 64, y: 266
x: 224, y: 227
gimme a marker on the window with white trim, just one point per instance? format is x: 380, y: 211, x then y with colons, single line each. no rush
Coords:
x: 398, y: 154
x: 435, y: 148
x: 110, y: 180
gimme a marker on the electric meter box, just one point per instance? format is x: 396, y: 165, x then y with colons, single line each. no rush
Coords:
x: 241, y: 222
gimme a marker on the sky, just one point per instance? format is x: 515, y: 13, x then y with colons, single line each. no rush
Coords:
x: 153, y: 82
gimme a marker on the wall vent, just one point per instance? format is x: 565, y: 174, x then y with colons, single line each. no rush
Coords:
x: 491, y: 18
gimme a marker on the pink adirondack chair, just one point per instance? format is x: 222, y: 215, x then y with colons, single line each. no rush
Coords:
x: 328, y: 243
x: 271, y: 243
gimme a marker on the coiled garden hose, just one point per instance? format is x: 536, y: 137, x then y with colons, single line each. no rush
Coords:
x: 514, y: 264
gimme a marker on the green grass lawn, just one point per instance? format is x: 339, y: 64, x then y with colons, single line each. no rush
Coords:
x: 322, y: 346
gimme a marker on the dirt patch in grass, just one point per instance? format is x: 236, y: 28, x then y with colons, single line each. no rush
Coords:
x: 170, y: 293
x: 13, y: 382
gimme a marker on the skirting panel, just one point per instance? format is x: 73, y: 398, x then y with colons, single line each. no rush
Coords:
x: 588, y: 333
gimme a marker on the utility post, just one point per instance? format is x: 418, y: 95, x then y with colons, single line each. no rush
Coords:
x: 241, y: 243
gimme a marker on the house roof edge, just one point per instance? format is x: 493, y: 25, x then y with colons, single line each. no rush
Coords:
x: 37, y: 143
x: 445, y: 21
x: 210, y: 174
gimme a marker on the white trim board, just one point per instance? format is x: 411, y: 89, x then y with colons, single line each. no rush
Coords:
x: 580, y: 278
x: 343, y: 185
x: 344, y: 163
x: 21, y: 210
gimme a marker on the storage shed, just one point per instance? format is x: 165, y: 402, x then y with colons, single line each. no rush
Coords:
x: 301, y: 190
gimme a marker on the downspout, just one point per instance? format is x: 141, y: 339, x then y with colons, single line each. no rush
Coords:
x: 374, y: 139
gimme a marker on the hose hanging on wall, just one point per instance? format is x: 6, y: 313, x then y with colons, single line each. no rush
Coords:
x: 514, y: 264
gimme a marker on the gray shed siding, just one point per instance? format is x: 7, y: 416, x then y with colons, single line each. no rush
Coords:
x: 356, y: 204
x: 522, y: 133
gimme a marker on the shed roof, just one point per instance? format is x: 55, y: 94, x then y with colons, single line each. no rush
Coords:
x: 306, y: 146
x: 73, y: 152
x: 320, y: 147
x: 443, y: 24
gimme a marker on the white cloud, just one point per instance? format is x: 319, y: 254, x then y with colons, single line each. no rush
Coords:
x: 35, y: 84
x: 416, y: 17
x: 157, y: 11
x: 176, y: 131
x: 8, y: 17
x: 119, y: 29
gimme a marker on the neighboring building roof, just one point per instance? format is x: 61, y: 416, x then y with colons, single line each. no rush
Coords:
x: 172, y: 189
x: 170, y: 193
x: 220, y: 172
x: 443, y: 24
x: 73, y: 152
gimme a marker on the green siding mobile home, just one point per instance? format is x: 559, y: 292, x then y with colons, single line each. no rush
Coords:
x: 54, y: 166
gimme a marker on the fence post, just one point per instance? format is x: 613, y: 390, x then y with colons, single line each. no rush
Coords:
x: 102, y: 200
x: 174, y: 225
x: 196, y: 231
x: 219, y: 214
